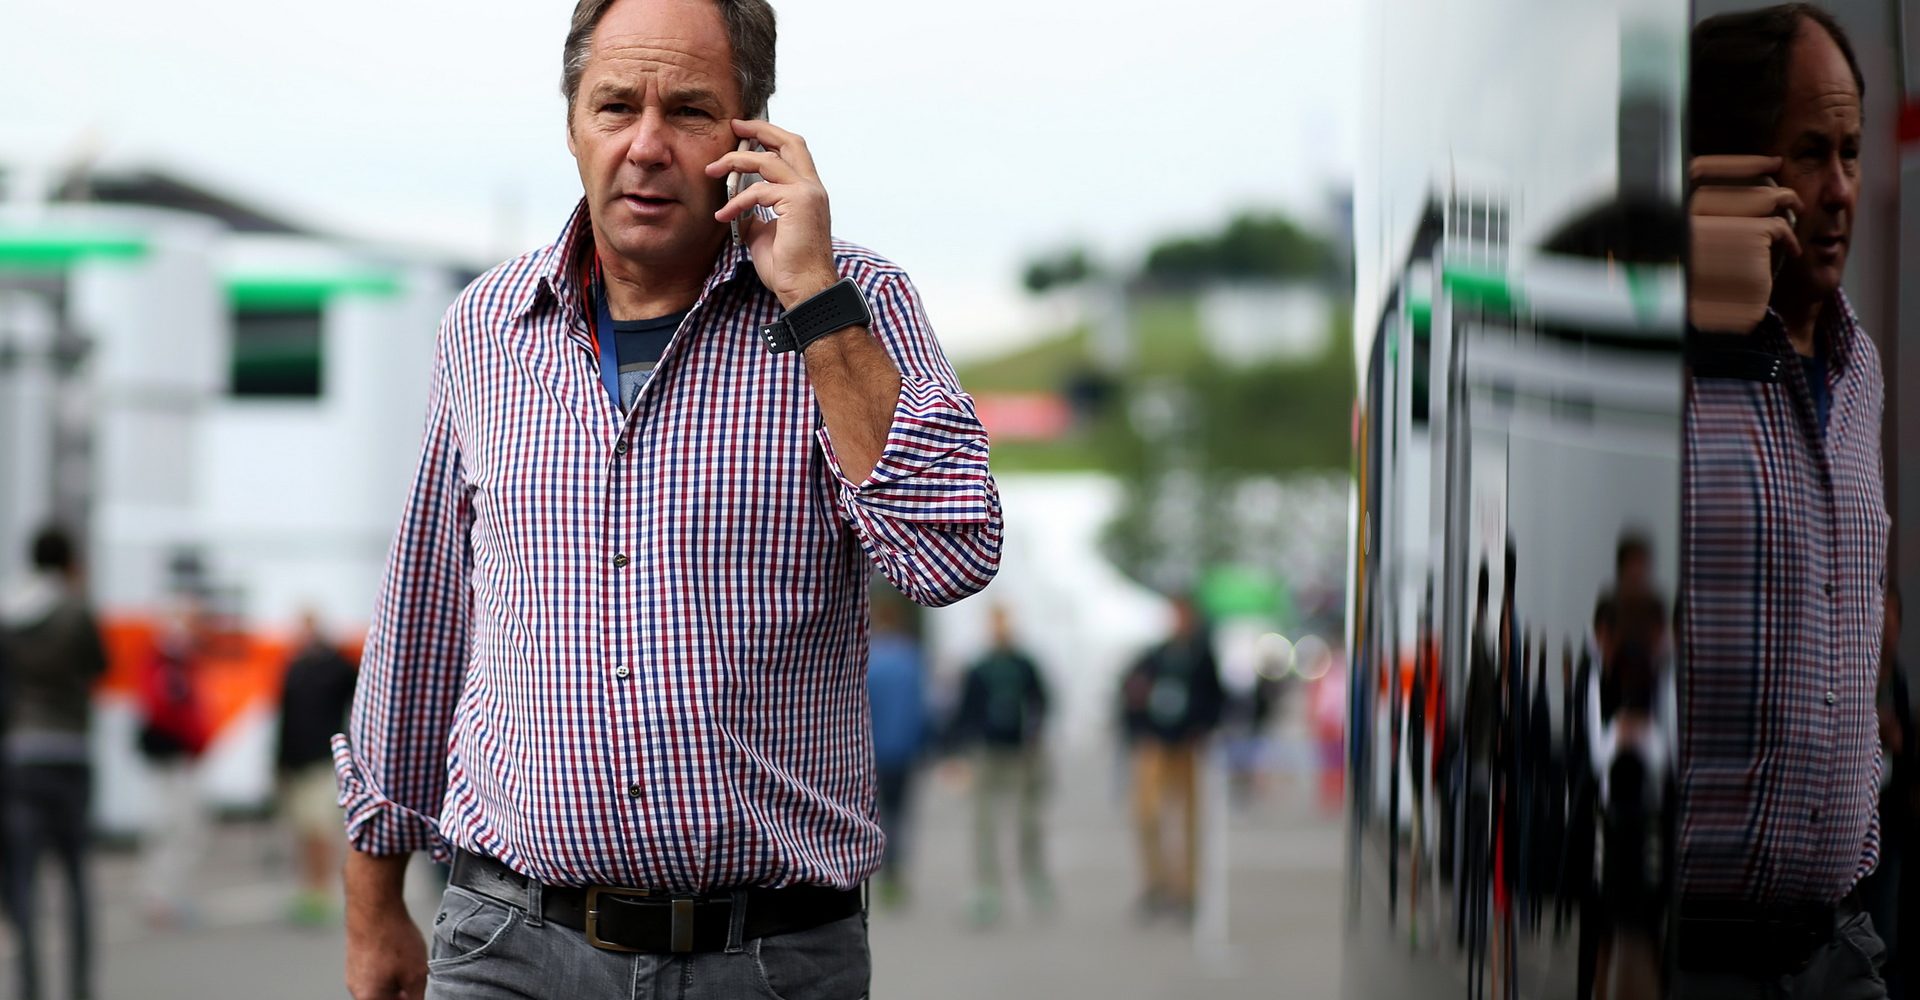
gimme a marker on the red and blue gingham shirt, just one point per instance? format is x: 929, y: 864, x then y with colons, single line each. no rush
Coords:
x: 631, y: 649
x: 1785, y: 537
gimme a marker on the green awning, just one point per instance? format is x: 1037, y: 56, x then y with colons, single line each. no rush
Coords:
x: 48, y: 250
x: 265, y: 293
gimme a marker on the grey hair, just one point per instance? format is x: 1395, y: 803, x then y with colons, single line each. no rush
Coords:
x: 750, y: 33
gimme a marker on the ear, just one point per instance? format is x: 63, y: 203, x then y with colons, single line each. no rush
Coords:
x: 571, y: 147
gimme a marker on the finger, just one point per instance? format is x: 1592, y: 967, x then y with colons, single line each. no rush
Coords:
x: 765, y: 195
x: 1780, y: 232
x: 1731, y: 167
x: 767, y: 165
x: 790, y: 146
x: 1752, y: 202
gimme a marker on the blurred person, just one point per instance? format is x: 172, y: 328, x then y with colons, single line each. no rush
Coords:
x: 174, y: 733
x: 1570, y: 751
x: 1583, y: 834
x: 897, y: 691
x: 617, y: 668
x: 1640, y: 609
x: 1175, y: 691
x: 1416, y: 750
x: 1002, y: 714
x: 315, y: 696
x: 1783, y: 520
x: 52, y: 653
x: 1482, y: 722
x: 1632, y: 754
x: 1543, y: 835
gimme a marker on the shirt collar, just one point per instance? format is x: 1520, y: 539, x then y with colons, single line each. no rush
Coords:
x: 563, y: 264
x: 1839, y: 327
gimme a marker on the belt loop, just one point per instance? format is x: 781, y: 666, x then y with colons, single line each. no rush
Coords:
x: 737, y: 923
x: 536, y: 915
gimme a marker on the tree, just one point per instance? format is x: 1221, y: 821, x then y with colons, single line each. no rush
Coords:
x: 1253, y: 246
x: 1057, y: 270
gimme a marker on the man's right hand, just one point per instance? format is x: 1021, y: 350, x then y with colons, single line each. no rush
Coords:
x: 1734, y: 230
x: 386, y: 954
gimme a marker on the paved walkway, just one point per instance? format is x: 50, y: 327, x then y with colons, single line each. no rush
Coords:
x: 1283, y: 927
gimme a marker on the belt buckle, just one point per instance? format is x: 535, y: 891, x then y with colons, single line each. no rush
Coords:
x: 593, y: 916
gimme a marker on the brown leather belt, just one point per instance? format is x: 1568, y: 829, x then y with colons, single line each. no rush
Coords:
x: 657, y: 922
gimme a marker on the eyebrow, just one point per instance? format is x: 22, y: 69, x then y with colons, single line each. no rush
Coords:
x: 609, y: 89
x: 672, y: 95
x: 1821, y: 136
x: 690, y: 95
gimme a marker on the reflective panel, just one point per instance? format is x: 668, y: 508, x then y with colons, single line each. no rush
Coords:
x: 1521, y: 233
x: 1795, y: 767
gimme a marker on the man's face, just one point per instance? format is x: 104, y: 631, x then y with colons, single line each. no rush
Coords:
x: 652, y: 112
x: 1819, y: 147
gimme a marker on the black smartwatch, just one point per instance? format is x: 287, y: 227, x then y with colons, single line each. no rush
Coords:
x: 831, y: 311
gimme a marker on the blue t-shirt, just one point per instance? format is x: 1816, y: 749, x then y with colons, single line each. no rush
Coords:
x: 1815, y: 367
x: 636, y: 346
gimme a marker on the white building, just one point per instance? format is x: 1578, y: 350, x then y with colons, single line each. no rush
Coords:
x: 186, y: 382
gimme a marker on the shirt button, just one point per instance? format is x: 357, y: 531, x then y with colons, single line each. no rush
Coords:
x: 633, y: 790
x: 620, y: 446
x: 1829, y: 589
x: 1816, y: 814
x: 620, y: 560
x: 1832, y: 698
x: 621, y: 672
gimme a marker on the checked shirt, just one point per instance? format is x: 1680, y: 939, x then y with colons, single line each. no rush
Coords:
x: 630, y: 649
x: 1784, y: 533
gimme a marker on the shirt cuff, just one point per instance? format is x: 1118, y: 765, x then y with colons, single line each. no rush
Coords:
x: 376, y: 824
x: 933, y: 468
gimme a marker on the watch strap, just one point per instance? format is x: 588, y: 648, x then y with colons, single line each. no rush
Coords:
x: 840, y: 306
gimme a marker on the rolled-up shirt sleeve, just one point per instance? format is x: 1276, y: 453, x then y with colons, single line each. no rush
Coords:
x: 392, y: 761
x: 928, y: 515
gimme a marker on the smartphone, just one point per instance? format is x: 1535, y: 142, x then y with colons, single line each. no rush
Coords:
x: 738, y: 182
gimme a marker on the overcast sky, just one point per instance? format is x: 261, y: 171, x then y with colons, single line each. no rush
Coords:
x: 957, y: 139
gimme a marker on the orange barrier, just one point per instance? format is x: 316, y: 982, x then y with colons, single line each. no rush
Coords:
x: 236, y: 672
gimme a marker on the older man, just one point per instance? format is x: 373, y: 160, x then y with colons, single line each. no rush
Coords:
x: 1784, y: 524
x: 616, y: 668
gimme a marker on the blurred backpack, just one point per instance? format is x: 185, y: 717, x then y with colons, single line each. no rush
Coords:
x: 172, y: 723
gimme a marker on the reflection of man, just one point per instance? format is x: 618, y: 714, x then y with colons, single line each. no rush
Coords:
x: 618, y: 660
x: 1784, y: 524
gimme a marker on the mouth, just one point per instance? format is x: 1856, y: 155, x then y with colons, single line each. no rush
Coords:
x: 1828, y: 244
x: 646, y: 202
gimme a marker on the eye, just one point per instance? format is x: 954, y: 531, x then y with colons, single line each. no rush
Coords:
x: 614, y: 108
x: 692, y: 112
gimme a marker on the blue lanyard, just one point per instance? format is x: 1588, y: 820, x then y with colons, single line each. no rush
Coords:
x: 608, y: 350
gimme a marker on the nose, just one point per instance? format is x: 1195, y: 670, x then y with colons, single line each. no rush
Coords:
x: 1839, y: 186
x: 649, y: 148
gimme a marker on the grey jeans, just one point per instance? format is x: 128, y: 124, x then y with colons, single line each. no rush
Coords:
x: 1848, y: 968
x: 484, y: 950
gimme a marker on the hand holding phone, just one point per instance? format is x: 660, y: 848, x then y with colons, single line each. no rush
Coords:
x: 791, y: 232
x: 738, y: 182
x: 1741, y: 233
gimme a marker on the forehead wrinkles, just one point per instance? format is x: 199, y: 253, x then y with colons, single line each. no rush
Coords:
x: 1837, y: 102
x: 644, y: 52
